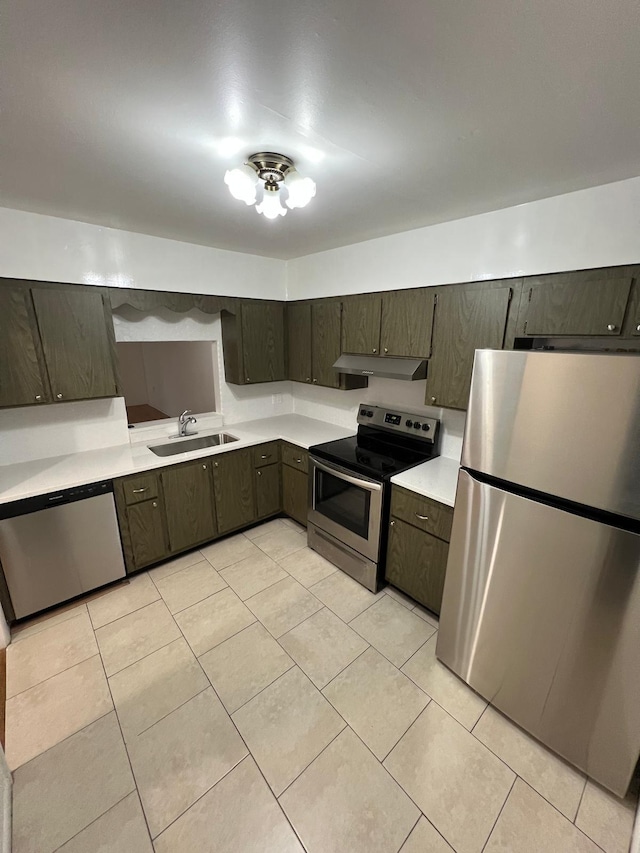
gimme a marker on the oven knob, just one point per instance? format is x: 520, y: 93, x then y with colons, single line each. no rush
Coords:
x: 363, y: 413
x: 408, y: 423
x: 426, y: 427
x: 417, y: 425
x: 370, y: 413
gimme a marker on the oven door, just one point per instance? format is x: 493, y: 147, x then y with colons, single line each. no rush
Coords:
x: 346, y: 505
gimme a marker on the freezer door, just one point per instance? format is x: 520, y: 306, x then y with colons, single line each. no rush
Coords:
x: 541, y: 616
x: 564, y: 424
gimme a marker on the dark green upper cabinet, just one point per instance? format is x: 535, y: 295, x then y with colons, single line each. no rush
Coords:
x: 23, y: 375
x: 325, y: 347
x: 467, y: 318
x: 188, y: 501
x: 299, y: 341
x: 361, y: 324
x: 233, y: 484
x: 76, y: 343
x: 586, y: 303
x: 407, y: 321
x: 254, y: 343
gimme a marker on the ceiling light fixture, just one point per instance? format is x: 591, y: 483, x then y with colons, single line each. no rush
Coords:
x: 268, y: 179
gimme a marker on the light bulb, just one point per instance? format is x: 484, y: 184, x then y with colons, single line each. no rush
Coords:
x: 242, y: 183
x: 301, y: 190
x: 271, y: 206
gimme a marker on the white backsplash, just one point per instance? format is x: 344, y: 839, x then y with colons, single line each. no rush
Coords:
x: 341, y: 407
x: 58, y: 429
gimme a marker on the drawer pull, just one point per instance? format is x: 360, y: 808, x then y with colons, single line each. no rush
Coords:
x: 155, y: 503
x: 259, y: 473
x: 139, y: 491
x: 611, y: 327
x: 421, y: 517
x: 299, y: 461
x: 265, y: 456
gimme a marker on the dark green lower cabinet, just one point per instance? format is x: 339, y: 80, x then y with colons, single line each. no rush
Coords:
x: 295, y: 494
x: 147, y: 533
x: 268, y: 499
x: 233, y: 476
x: 417, y: 563
x: 189, y: 504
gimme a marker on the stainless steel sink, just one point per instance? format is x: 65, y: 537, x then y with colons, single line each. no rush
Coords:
x: 187, y: 444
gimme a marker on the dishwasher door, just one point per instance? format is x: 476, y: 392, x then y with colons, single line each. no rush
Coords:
x: 54, y: 554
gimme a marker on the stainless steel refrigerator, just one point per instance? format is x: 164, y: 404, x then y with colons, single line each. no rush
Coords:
x: 541, y: 609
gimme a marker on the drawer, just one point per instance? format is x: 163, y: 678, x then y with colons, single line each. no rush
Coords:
x: 140, y: 488
x: 296, y: 457
x: 421, y: 512
x: 266, y: 454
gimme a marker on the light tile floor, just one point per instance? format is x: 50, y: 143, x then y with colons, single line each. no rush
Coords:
x: 249, y: 698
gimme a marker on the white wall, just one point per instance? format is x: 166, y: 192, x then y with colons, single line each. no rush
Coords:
x: 40, y: 432
x: 590, y: 228
x: 48, y: 248
x: 341, y: 407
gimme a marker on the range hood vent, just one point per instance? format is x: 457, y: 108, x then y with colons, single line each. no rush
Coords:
x: 387, y: 368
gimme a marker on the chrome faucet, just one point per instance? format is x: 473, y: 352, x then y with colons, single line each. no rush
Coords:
x: 183, y: 424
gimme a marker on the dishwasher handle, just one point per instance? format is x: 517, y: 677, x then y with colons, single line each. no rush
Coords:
x: 63, y: 496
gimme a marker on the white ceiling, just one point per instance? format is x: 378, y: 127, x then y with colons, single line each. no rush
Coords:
x: 405, y: 112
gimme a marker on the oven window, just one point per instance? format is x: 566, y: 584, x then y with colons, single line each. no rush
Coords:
x: 342, y: 502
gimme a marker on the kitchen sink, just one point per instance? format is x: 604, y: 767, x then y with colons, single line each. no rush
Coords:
x: 187, y: 444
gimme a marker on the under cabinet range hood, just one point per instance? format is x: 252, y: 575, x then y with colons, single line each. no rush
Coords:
x: 386, y: 367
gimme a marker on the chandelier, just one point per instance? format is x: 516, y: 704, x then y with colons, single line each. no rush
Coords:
x: 267, y: 180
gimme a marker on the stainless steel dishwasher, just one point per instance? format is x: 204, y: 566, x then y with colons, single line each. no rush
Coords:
x: 57, y: 546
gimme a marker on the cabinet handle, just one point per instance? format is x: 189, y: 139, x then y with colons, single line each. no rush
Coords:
x: 59, y: 396
x: 374, y: 350
x: 204, y: 467
x: 315, y: 381
x: 139, y: 491
x: 386, y: 350
x: 392, y: 524
x: 308, y: 379
x: 421, y: 517
x: 299, y: 461
x: 246, y: 378
x: 611, y: 327
x: 38, y: 398
x: 215, y: 464
x: 259, y: 473
x: 433, y: 399
x: 155, y: 503
x: 265, y: 456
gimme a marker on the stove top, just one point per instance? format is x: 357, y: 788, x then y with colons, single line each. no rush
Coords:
x: 387, y: 442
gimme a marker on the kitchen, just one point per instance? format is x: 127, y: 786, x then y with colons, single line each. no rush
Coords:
x: 231, y: 635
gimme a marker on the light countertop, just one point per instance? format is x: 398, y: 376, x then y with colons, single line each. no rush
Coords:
x: 40, y: 476
x: 436, y: 479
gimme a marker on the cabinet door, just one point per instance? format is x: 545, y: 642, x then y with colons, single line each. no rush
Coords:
x: 575, y: 304
x: 326, y: 332
x: 147, y: 532
x: 417, y: 563
x: 361, y: 324
x: 23, y: 378
x: 268, y: 490
x: 76, y: 343
x: 407, y: 321
x: 295, y: 494
x: 263, y: 341
x: 189, y: 504
x: 299, y: 341
x: 466, y: 318
x: 233, y: 488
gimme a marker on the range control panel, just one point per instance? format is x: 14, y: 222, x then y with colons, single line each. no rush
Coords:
x: 399, y: 421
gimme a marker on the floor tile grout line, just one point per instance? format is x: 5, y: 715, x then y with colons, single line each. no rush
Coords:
x: 494, y: 824
x: 122, y: 799
x: 584, y: 788
x: 18, y: 638
x: 406, y: 838
x: 313, y: 760
x: 331, y: 680
x: 53, y: 746
x: 393, y: 663
x: 126, y: 750
x: 267, y: 686
x: 49, y: 677
x: 429, y: 701
x: 173, y: 710
x: 133, y: 663
x: 130, y: 613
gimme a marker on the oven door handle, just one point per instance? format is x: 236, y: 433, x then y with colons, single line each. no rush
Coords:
x: 343, y: 474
